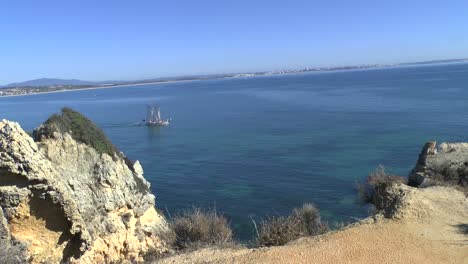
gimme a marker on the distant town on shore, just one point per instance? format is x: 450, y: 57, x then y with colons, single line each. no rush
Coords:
x: 49, y: 85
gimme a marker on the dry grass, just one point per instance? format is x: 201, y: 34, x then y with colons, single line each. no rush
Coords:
x: 370, y: 190
x: 197, y: 228
x: 433, y: 230
x: 304, y: 221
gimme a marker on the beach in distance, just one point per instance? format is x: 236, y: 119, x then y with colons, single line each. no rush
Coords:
x: 48, y: 85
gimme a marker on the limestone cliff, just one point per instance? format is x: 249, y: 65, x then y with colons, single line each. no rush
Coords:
x: 66, y: 202
x: 440, y: 163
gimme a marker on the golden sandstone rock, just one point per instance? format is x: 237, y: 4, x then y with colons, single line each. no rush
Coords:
x: 66, y: 202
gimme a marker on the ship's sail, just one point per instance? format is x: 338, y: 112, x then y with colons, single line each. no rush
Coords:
x: 153, y: 117
x: 153, y: 113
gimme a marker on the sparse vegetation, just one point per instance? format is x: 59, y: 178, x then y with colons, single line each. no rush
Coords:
x: 197, y: 228
x: 80, y: 128
x: 372, y: 190
x: 304, y: 221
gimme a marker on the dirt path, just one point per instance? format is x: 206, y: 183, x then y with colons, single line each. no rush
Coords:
x: 429, y: 226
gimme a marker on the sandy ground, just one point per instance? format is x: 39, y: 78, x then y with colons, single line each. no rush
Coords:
x: 430, y: 227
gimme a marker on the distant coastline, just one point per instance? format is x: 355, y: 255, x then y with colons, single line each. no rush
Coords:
x: 19, y: 90
x: 81, y: 88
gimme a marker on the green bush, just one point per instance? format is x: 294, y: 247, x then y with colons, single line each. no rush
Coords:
x: 304, y: 221
x: 197, y: 228
x: 79, y: 127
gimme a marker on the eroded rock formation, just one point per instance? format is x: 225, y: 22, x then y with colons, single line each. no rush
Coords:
x: 66, y: 202
x: 442, y: 163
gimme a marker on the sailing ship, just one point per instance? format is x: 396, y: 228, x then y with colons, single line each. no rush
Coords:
x: 153, y: 117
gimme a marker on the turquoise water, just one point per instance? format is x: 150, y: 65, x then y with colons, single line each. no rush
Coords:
x: 260, y: 146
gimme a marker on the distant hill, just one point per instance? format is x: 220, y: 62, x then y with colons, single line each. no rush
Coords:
x: 50, y: 82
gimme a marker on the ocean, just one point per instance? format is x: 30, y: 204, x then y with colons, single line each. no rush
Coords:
x: 260, y: 146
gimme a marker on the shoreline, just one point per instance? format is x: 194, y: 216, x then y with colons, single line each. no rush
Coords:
x: 97, y: 88
x: 235, y: 77
x: 179, y: 81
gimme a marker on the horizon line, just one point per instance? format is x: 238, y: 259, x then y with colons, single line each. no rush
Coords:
x: 369, y: 65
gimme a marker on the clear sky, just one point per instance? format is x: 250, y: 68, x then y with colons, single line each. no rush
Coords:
x: 114, y: 39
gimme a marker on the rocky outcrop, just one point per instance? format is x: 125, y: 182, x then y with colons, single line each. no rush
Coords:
x: 442, y: 163
x: 66, y: 202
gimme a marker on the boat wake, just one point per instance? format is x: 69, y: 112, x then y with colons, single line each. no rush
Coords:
x: 153, y: 118
x: 141, y: 123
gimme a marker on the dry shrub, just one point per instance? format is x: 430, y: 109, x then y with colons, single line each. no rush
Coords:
x: 304, y: 221
x: 197, y: 228
x: 377, y: 181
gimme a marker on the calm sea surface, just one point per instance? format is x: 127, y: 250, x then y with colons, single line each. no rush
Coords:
x: 261, y: 146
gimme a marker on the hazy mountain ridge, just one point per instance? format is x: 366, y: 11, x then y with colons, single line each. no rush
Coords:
x: 50, y: 82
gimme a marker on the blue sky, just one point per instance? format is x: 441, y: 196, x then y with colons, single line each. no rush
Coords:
x: 102, y: 40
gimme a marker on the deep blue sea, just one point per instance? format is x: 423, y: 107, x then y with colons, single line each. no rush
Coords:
x: 263, y: 145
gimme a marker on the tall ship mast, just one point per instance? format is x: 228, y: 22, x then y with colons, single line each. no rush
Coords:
x: 153, y: 117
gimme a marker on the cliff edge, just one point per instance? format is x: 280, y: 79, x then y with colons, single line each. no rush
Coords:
x: 63, y: 201
x: 424, y: 224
